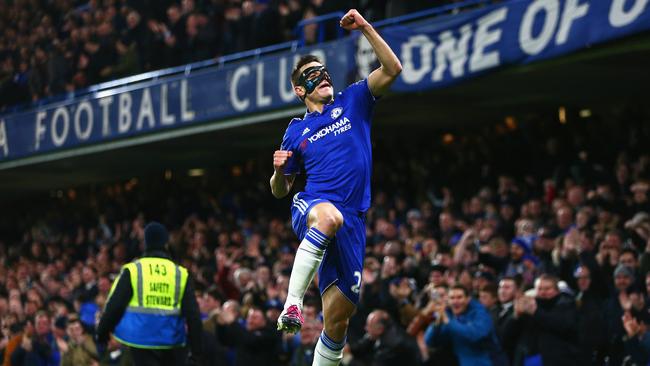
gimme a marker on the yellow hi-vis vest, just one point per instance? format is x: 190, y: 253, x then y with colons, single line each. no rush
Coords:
x: 153, y: 317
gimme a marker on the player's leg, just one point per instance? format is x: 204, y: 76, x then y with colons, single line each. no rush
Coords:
x: 340, y: 283
x: 337, y: 310
x: 323, y: 221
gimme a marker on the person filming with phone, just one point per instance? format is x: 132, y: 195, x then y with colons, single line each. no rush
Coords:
x: 466, y: 326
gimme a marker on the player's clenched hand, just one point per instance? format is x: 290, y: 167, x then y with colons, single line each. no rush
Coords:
x: 280, y: 158
x: 353, y: 20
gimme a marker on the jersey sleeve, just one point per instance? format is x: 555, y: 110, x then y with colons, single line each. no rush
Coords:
x: 363, y: 98
x: 293, y: 163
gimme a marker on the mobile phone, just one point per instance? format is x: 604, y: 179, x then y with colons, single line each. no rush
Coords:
x: 434, y: 295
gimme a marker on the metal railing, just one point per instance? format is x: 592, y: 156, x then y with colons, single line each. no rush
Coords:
x: 321, y: 22
x: 432, y: 12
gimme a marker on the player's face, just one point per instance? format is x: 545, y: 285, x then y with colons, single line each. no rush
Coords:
x: 323, y: 92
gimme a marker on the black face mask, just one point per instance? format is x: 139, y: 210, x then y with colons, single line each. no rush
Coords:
x: 312, y: 77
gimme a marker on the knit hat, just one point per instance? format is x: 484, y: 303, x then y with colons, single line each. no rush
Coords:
x: 155, y: 237
x: 523, y: 243
x: 622, y: 270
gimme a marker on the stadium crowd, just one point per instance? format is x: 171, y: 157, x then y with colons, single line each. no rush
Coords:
x: 509, y: 245
x: 52, y: 47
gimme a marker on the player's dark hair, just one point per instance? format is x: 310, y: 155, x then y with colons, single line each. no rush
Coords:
x: 304, y: 60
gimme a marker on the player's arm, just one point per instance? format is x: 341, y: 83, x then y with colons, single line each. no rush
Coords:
x: 280, y: 183
x: 379, y: 80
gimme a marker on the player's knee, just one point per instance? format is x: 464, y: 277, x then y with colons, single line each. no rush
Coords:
x: 332, y: 220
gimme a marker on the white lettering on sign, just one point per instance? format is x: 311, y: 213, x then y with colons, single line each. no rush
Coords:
x: 572, y: 11
x: 186, y: 113
x: 4, y: 141
x: 530, y: 43
x: 238, y: 104
x: 60, y: 114
x: 619, y: 17
x: 487, y: 35
x: 40, y: 129
x: 166, y: 119
x: 452, y: 52
x: 87, y: 109
x: 146, y: 111
x: 106, y: 124
x: 124, y: 113
x: 262, y: 100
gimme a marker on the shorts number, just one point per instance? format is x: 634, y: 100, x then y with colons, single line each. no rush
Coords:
x: 357, y: 287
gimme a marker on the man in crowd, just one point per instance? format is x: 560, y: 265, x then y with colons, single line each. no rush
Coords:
x: 385, y: 343
x: 80, y: 348
x: 465, y: 325
x: 256, y: 343
x: 549, y: 323
x: 38, y: 345
x: 508, y: 290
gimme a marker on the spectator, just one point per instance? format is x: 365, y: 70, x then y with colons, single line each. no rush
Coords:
x: 521, y: 262
x: 88, y: 290
x: 614, y: 309
x: 303, y: 355
x: 507, y: 292
x: 439, y: 355
x: 629, y: 258
x: 591, y: 325
x: 214, y: 353
x: 465, y: 325
x: 488, y: 297
x: 209, y: 301
x: 48, y: 50
x: 13, y: 332
x: 384, y: 343
x: 254, y: 344
x: 636, y: 340
x: 39, y: 347
x: 80, y: 349
x: 551, y: 319
x: 128, y: 61
x: 222, y: 226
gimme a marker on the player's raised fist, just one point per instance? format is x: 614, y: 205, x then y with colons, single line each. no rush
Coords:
x: 353, y: 20
x: 280, y: 158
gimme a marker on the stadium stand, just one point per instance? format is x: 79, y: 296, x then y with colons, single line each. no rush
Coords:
x: 48, y: 49
x: 567, y: 205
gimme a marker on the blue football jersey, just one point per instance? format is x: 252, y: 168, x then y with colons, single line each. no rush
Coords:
x: 334, y: 149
